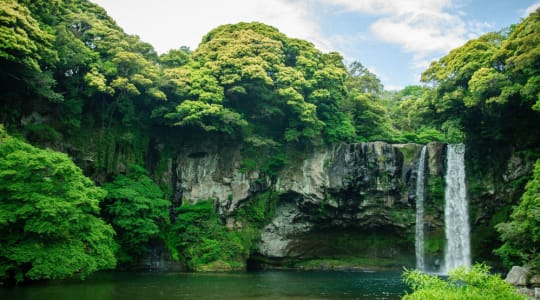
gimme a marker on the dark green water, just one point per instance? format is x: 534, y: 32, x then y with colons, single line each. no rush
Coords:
x: 221, y: 286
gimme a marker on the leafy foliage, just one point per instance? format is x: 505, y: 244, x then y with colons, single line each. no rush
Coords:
x: 208, y: 116
x: 249, y: 78
x: 487, y: 88
x: 521, y: 236
x: 370, y: 118
x: 26, y: 51
x: 93, y: 77
x: 203, y: 241
x: 22, y: 39
x: 49, y: 216
x: 476, y: 283
x: 363, y: 80
x: 135, y: 207
x: 259, y: 210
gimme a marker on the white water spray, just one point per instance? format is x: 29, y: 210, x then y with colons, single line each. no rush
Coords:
x: 456, y: 213
x: 420, y: 196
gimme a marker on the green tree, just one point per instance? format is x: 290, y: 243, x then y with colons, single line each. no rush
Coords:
x: 175, y: 57
x: 273, y: 89
x: 404, y: 107
x: 202, y: 106
x: 107, y: 80
x: 49, y: 216
x: 521, y: 235
x: 363, y: 106
x: 451, y: 99
x: 22, y: 41
x: 370, y: 118
x: 134, y: 205
x: 208, y: 116
x: 488, y: 87
x: 520, y: 54
x: 26, y: 56
x: 363, y: 80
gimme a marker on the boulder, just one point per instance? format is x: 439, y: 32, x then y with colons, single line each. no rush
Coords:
x: 517, y: 276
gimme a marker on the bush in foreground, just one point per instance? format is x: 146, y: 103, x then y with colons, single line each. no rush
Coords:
x: 462, y: 283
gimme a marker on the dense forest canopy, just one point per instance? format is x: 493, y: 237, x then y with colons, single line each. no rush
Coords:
x: 73, y: 81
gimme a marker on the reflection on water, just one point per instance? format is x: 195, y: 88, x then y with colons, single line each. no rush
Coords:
x: 222, y: 286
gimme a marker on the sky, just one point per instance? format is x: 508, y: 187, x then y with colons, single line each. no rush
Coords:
x: 395, y: 39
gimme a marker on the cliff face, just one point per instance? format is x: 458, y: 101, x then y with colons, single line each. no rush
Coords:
x: 347, y: 200
x: 354, y: 200
x: 493, y: 192
x: 210, y: 173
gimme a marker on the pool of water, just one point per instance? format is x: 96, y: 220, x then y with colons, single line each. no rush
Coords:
x: 221, y: 286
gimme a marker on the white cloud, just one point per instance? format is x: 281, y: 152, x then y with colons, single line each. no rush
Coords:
x: 476, y: 28
x: 346, y: 44
x: 169, y: 24
x: 421, y: 34
x: 422, y: 64
x: 425, y: 28
x: 386, y: 7
x: 530, y: 9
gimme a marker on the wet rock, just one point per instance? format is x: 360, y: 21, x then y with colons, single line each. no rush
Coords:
x: 436, y: 158
x: 277, y: 235
x: 516, y: 168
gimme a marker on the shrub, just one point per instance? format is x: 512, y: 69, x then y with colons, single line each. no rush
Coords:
x: 202, y: 242
x: 462, y: 283
x: 137, y: 211
x: 521, y: 236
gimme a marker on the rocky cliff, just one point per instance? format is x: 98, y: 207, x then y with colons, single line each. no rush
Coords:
x: 346, y: 200
x: 495, y: 187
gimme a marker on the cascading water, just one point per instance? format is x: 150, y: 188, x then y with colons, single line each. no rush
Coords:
x: 420, y: 196
x: 456, y: 213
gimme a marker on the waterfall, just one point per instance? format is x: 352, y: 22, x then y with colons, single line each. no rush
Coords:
x: 420, y: 189
x: 456, y: 214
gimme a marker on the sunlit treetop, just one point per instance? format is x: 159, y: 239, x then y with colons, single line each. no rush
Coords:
x: 260, y: 78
